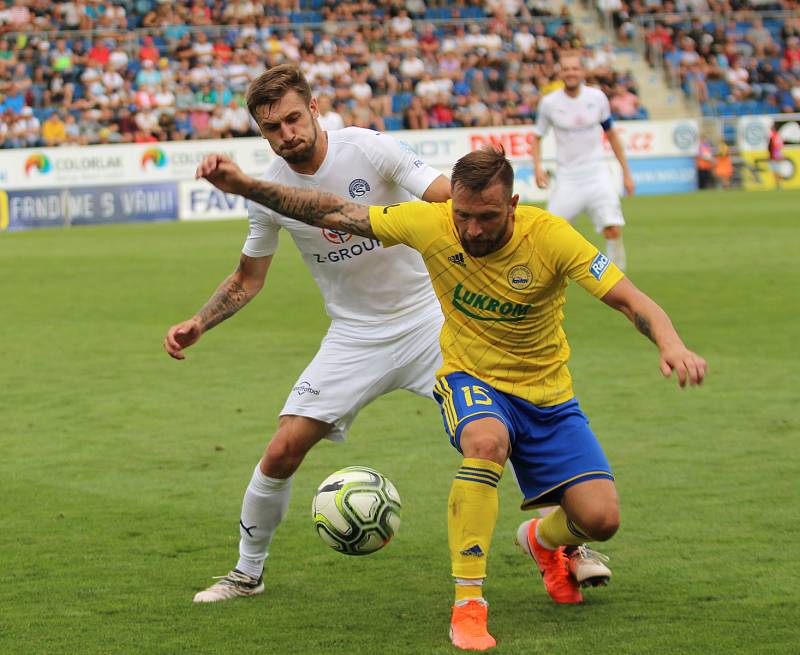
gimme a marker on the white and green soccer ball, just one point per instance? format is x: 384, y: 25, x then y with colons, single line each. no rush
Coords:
x: 356, y: 510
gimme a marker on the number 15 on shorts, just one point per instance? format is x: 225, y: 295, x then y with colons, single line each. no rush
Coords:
x: 475, y: 395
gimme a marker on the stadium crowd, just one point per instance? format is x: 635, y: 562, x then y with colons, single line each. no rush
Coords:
x: 733, y: 56
x: 110, y: 71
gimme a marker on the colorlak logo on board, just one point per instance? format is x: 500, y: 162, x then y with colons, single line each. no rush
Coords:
x: 72, y: 168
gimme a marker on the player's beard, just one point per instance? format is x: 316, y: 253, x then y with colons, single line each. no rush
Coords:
x: 303, y: 155
x: 483, y: 247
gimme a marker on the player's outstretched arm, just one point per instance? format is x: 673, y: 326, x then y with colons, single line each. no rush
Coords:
x: 540, y: 175
x: 653, y: 322
x: 306, y: 205
x: 234, y: 293
x: 619, y: 153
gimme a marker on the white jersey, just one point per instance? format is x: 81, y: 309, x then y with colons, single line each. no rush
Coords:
x: 370, y: 291
x: 577, y: 123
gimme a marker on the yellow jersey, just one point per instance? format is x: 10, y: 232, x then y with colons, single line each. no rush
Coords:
x: 503, y: 312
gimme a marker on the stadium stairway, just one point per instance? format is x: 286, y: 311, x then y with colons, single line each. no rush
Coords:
x: 658, y: 98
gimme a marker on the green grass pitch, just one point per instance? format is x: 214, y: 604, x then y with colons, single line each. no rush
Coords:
x: 122, y: 471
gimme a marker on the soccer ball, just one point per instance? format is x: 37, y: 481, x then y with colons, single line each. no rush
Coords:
x: 356, y: 511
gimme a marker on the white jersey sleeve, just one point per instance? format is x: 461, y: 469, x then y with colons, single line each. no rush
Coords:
x: 542, y: 119
x: 605, y: 108
x: 396, y: 162
x: 262, y: 234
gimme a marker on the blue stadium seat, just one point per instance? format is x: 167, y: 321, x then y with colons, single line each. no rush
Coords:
x: 392, y: 123
x: 729, y: 133
x: 400, y: 101
x: 708, y: 109
x: 718, y: 89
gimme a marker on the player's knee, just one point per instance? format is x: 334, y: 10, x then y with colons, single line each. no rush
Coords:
x: 612, y: 232
x: 485, y: 439
x: 282, y: 457
x: 490, y: 450
x: 601, y: 525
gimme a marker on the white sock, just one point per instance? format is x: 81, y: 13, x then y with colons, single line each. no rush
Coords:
x: 615, y: 250
x: 263, y: 508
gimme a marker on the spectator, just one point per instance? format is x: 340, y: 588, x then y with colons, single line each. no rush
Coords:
x: 203, y: 49
x: 73, y: 131
x: 148, y: 52
x: 15, y: 99
x: 705, y: 164
x: 415, y: 117
x: 364, y: 116
x: 99, y: 53
x: 220, y: 94
x: 426, y: 88
x: 126, y: 124
x: 148, y: 75
x: 237, y: 119
x: 183, y: 126
x: 27, y: 129
x: 53, y: 130
x: 147, y: 121
x: 723, y: 165
x: 360, y: 88
x: 401, y: 23
x: 328, y: 118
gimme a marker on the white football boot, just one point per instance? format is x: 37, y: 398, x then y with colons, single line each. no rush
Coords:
x: 234, y: 585
x: 587, y: 566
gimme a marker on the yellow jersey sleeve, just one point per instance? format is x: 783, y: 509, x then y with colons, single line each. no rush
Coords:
x: 415, y: 223
x: 573, y: 255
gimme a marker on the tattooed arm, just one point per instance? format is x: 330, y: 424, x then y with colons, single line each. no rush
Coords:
x: 653, y: 322
x: 234, y: 293
x: 307, y: 205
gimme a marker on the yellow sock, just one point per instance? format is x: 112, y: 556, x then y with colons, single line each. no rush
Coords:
x: 472, y: 514
x: 468, y: 589
x: 556, y: 530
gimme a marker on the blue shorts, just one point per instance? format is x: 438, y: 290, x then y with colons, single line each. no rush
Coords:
x: 552, y: 448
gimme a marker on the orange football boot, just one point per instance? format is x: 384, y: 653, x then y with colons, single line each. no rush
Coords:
x: 468, y: 626
x: 552, y: 564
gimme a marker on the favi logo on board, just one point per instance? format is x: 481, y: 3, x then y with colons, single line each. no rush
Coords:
x: 38, y: 162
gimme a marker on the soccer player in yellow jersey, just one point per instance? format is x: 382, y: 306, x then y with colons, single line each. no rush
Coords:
x: 500, y: 271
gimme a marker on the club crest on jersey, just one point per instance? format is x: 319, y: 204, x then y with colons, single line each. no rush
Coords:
x: 336, y: 236
x: 599, y: 265
x: 520, y: 277
x: 358, y: 188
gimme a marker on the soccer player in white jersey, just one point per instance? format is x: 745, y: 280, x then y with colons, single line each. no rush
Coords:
x: 384, y: 333
x: 579, y: 115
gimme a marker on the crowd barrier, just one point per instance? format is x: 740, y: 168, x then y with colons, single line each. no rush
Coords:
x: 145, y: 182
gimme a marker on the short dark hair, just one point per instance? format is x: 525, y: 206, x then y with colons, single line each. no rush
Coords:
x: 269, y: 87
x: 480, y: 169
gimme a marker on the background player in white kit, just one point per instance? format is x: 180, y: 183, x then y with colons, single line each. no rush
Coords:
x: 384, y: 333
x: 579, y: 114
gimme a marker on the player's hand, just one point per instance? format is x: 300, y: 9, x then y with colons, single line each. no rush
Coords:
x: 689, y: 367
x: 182, y: 336
x: 542, y: 178
x: 223, y: 173
x: 629, y: 184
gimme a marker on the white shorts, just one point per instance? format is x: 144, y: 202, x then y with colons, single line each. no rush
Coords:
x: 347, y: 373
x: 595, y: 195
